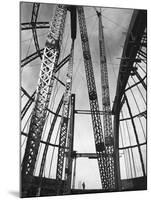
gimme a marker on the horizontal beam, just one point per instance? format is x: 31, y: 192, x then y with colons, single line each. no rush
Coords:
x: 37, y: 25
x: 144, y: 114
x: 44, y: 142
x: 89, y: 112
x: 89, y: 155
x: 133, y: 146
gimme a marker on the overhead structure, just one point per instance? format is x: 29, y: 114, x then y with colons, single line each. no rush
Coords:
x: 106, y: 137
x: 132, y: 76
x: 107, y: 118
x: 103, y: 159
x: 45, y: 84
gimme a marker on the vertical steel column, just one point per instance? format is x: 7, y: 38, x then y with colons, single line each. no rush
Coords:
x: 94, y: 105
x: 107, y: 120
x: 45, y: 84
x: 116, y: 152
x: 33, y: 24
x: 65, y: 115
x: 74, y: 173
x: 69, y: 153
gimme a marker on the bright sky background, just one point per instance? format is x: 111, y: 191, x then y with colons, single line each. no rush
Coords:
x: 115, y: 22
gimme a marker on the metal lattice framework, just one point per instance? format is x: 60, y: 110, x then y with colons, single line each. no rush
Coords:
x: 34, y: 17
x: 107, y: 120
x: 106, y: 142
x: 94, y: 106
x: 132, y: 67
x: 45, y: 84
x: 65, y: 115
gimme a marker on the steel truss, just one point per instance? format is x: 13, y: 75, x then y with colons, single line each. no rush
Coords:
x: 45, y: 84
x: 107, y: 120
x: 94, y: 105
x: 33, y: 22
x: 64, y: 120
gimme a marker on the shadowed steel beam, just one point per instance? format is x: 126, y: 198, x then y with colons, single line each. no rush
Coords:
x: 31, y: 57
x: 133, y: 146
x: 142, y: 114
x: 134, y: 36
x: 37, y: 25
x: 141, y: 80
x: 35, y: 55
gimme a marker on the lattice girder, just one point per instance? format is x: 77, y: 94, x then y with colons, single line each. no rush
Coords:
x: 44, y: 89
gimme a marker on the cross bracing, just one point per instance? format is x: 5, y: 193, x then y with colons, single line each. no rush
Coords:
x: 131, y: 121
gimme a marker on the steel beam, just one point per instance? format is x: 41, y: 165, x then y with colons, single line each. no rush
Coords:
x: 44, y: 89
x: 33, y: 22
x: 36, y: 25
x: 93, y: 100
x: 134, y: 36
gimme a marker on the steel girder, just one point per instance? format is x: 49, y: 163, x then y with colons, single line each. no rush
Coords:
x: 33, y: 22
x: 107, y: 119
x: 93, y: 99
x: 131, y: 48
x: 45, y: 84
x: 64, y: 120
x: 130, y: 58
x: 36, y: 25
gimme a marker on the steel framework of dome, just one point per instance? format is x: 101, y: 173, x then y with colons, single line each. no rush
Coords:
x: 68, y: 44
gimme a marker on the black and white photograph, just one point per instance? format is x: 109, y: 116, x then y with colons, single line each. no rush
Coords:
x: 83, y: 99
